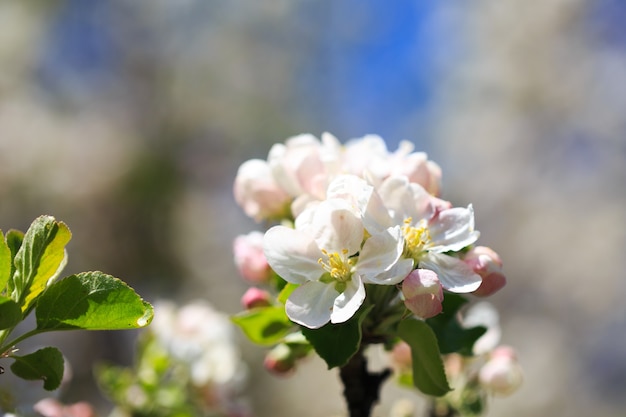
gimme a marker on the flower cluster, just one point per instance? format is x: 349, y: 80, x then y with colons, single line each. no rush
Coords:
x: 354, y: 215
x: 187, y: 364
x: 360, y: 249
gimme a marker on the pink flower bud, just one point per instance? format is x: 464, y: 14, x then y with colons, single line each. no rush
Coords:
x: 280, y: 360
x: 423, y: 293
x: 486, y: 263
x: 255, y: 297
x: 401, y: 355
x: 250, y: 259
x: 49, y: 407
x: 502, y: 374
x: 257, y: 192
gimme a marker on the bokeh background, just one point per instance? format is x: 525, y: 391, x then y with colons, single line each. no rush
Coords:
x: 128, y: 121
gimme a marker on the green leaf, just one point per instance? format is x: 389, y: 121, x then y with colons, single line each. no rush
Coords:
x: 91, y: 301
x: 264, y: 325
x: 337, y: 343
x: 14, y: 239
x: 10, y: 313
x: 428, y: 372
x: 45, y: 364
x: 6, y: 260
x: 39, y: 259
x: 451, y: 335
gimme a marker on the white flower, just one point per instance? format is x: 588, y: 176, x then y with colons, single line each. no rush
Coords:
x: 258, y: 193
x: 323, y: 254
x: 430, y: 230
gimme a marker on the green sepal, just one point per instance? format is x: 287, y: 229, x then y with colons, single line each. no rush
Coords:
x: 428, y: 372
x: 337, y: 343
x: 45, y: 364
x: 264, y: 325
x: 451, y: 335
x: 91, y: 301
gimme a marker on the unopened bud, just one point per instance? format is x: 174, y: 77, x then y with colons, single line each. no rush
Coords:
x: 280, y: 360
x: 486, y: 263
x: 255, y: 297
x: 250, y: 259
x: 502, y: 374
x: 423, y: 293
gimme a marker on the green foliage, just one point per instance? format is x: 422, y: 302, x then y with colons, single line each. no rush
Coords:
x: 451, y: 335
x: 45, y: 364
x: 428, y: 371
x: 10, y: 313
x: 91, y: 301
x: 30, y: 265
x: 264, y: 325
x: 337, y: 343
x: 39, y: 259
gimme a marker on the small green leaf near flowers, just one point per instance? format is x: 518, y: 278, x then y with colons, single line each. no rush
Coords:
x: 337, y: 343
x: 428, y: 373
x: 264, y: 325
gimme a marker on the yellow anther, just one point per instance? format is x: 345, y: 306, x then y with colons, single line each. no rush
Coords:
x: 415, y: 238
x: 339, y: 266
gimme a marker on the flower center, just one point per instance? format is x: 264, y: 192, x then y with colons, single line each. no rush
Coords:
x: 416, y: 239
x: 339, y: 266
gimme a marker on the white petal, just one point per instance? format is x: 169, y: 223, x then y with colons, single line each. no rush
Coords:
x: 454, y: 274
x: 395, y: 275
x: 379, y: 255
x: 349, y: 301
x: 405, y: 199
x: 452, y: 229
x: 365, y: 202
x: 336, y: 227
x: 311, y: 304
x: 292, y: 254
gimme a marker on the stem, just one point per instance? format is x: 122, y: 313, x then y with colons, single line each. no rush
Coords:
x: 361, y: 387
x: 15, y: 341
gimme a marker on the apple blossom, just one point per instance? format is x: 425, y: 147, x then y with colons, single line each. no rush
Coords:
x: 258, y: 193
x: 250, y: 259
x: 416, y: 167
x: 199, y: 335
x: 486, y: 263
x: 422, y: 293
x: 430, y: 230
x: 502, y: 373
x: 320, y: 255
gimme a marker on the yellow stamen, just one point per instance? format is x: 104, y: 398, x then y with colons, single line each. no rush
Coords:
x: 415, y: 239
x: 339, y: 266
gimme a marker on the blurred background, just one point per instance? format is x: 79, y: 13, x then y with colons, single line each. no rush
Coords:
x: 128, y: 121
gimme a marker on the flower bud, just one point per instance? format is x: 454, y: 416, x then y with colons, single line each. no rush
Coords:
x: 257, y: 192
x: 401, y: 355
x: 423, y: 293
x: 502, y: 374
x: 255, y: 297
x: 250, y: 259
x: 280, y: 360
x: 486, y: 263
